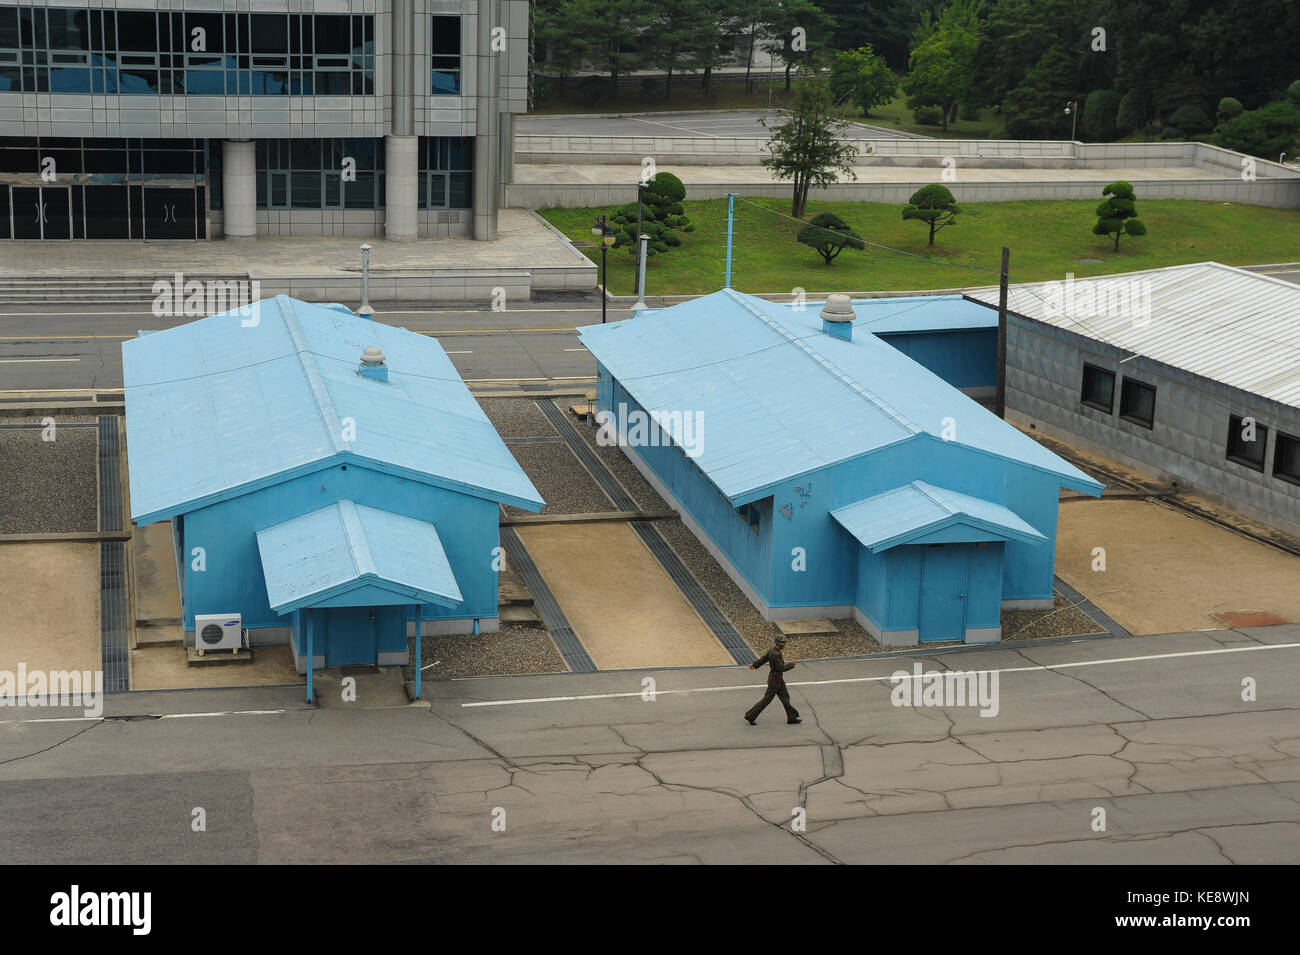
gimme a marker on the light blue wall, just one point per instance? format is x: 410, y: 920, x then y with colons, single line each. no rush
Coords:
x: 748, y: 551
x: 797, y: 515
x: 965, y: 358
x: 233, y: 581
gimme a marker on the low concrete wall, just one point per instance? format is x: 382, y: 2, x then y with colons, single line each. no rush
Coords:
x: 361, y: 223
x: 1275, y: 193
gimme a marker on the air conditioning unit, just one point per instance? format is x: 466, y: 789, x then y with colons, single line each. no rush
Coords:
x: 218, y: 631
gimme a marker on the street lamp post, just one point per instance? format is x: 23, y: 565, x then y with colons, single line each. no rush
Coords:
x: 605, y: 235
x: 1072, y: 111
x: 365, y: 311
x: 641, y: 187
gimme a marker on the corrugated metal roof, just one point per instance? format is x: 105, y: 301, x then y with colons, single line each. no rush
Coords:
x: 779, y: 397
x: 1236, y: 327
x: 323, y: 555
x: 217, y: 407
x: 905, y: 513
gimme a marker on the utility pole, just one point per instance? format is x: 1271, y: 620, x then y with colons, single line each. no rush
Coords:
x: 1002, y: 335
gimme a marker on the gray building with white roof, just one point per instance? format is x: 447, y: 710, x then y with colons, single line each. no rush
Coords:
x: 1189, y: 373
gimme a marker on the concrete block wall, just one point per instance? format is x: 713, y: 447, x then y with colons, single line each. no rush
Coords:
x: 1275, y: 193
x: 1187, y: 442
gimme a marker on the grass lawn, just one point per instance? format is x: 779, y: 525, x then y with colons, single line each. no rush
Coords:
x: 1047, y: 240
x: 896, y: 115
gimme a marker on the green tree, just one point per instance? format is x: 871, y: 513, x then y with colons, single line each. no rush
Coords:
x: 829, y: 235
x: 816, y: 30
x: 1229, y: 108
x: 1190, y: 119
x: 808, y: 147
x: 599, y: 34
x: 863, y: 78
x: 935, y: 206
x: 1263, y: 132
x: 1099, y: 112
x: 678, y: 39
x: 662, y: 216
x: 1117, y: 216
x: 940, y: 70
x: 1036, y: 108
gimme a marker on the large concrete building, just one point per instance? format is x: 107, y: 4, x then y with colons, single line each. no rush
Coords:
x: 1187, y: 373
x: 830, y: 474
x: 197, y: 119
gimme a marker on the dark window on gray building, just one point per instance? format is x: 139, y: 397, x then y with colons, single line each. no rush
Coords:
x: 1098, y: 388
x: 445, y: 56
x: 446, y: 172
x: 1137, y: 402
x: 1246, y: 444
x: 1286, y: 458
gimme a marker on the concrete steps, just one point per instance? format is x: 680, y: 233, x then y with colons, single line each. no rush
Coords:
x: 92, y: 289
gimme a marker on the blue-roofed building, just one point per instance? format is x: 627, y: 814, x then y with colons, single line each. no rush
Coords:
x: 829, y: 473
x: 326, y: 477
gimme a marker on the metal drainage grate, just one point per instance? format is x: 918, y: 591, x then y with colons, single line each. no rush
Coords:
x: 690, y: 588
x: 115, y: 655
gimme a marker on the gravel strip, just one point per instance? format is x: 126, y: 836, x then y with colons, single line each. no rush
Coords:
x: 560, y: 478
x: 1063, y: 620
x: 48, y: 486
x: 513, y: 649
x: 516, y: 417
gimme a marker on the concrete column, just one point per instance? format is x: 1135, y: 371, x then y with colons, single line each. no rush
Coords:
x: 239, y: 190
x: 401, y: 181
x: 401, y: 48
x: 506, y: 165
x: 487, y: 140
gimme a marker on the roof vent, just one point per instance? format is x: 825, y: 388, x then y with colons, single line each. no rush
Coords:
x: 372, y: 365
x: 837, y: 317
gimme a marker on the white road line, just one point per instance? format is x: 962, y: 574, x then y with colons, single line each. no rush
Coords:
x: 685, y: 129
x: 458, y: 353
x: 28, y: 361
x: 160, y: 716
x: 506, y: 379
x: 881, y: 679
x: 575, y: 349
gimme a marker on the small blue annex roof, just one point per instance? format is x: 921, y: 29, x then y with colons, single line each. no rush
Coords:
x: 915, y: 313
x: 779, y: 397
x: 226, y: 404
x: 907, y: 514
x: 321, y: 558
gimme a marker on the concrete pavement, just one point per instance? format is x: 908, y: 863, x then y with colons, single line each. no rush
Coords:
x: 587, y: 768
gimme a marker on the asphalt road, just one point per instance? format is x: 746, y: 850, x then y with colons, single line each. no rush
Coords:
x: 1106, y: 751
x: 63, y: 347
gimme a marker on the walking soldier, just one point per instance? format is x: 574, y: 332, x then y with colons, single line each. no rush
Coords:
x: 775, y: 683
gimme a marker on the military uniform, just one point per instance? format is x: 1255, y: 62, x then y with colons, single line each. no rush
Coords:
x: 777, y: 666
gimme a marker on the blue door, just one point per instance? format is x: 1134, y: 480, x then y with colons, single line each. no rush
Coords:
x: 350, y: 637
x: 945, y: 570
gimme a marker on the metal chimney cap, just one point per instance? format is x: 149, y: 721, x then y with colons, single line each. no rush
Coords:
x: 372, y: 356
x: 839, y: 308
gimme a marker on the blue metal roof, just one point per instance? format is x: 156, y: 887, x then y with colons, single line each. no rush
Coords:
x: 318, y: 558
x: 779, y: 397
x: 915, y: 313
x: 236, y: 401
x: 910, y: 512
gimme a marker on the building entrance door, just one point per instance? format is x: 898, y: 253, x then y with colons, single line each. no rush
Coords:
x: 42, y: 212
x: 945, y: 573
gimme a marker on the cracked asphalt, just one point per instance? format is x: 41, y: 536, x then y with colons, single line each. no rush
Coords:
x: 1150, y: 735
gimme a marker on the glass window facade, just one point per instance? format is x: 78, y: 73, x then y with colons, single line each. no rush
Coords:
x: 69, y: 50
x: 320, y: 173
x: 445, y: 60
x: 446, y: 172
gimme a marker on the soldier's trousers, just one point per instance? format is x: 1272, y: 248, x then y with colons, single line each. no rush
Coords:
x: 779, y: 691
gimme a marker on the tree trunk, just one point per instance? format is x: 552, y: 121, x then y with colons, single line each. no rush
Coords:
x: 749, y: 57
x: 945, y: 117
x: 1116, y: 241
x: 704, y: 80
x: 932, y: 222
x: 787, y: 76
